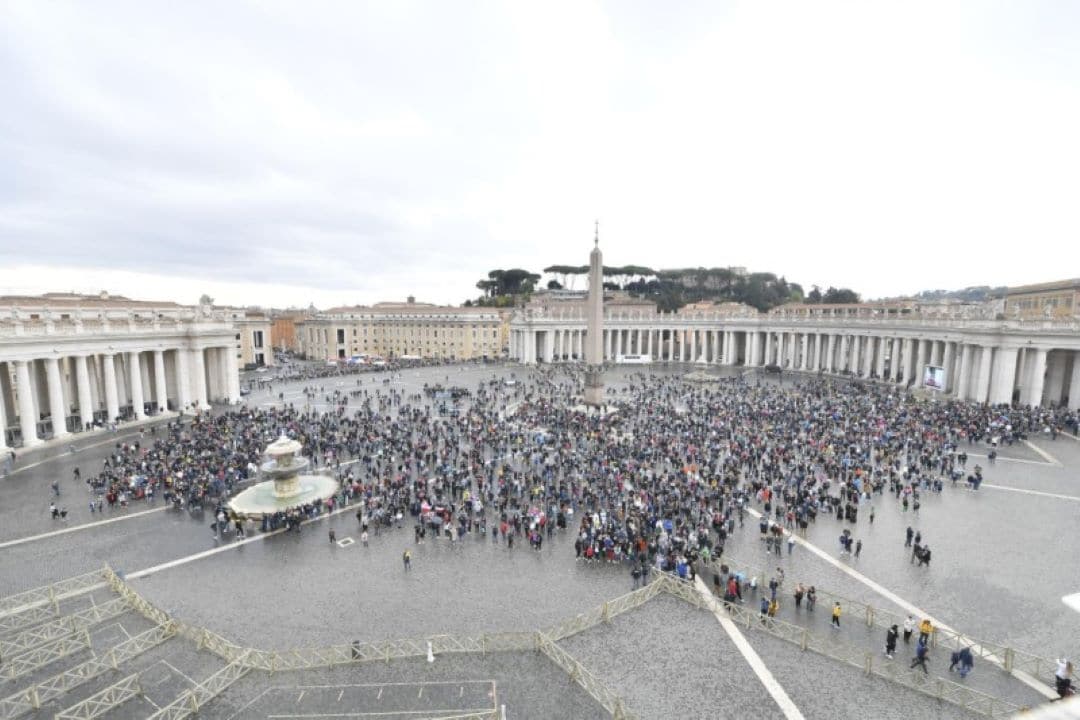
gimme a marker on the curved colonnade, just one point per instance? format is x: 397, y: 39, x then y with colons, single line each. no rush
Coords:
x: 63, y: 377
x: 996, y: 361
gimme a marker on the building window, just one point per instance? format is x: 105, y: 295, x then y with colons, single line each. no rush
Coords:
x: 257, y: 338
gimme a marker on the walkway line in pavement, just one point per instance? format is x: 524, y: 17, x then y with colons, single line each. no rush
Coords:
x: 1031, y: 492
x: 222, y: 548
x: 76, y: 528
x: 1049, y: 458
x: 1035, y: 684
x: 1072, y: 601
x: 1018, y: 460
x: 776, y: 690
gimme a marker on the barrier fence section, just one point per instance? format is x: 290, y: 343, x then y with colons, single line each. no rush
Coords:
x: 102, y: 702
x: 580, y: 675
x: 868, y: 662
x: 243, y: 660
x: 1010, y: 659
x: 61, y: 627
x: 33, y: 697
x: 50, y: 594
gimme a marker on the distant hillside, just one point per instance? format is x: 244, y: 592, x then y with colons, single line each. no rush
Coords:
x: 670, y: 289
x: 978, y: 293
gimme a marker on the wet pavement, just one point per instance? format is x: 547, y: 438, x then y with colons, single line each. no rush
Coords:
x: 1003, y: 558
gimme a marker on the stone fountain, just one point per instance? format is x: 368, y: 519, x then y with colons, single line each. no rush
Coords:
x: 284, y: 486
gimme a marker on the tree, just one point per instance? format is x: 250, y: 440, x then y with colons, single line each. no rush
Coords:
x: 554, y: 285
x: 814, y: 297
x: 841, y: 296
x: 205, y: 299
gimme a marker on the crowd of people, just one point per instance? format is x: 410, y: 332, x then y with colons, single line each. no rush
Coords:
x: 657, y: 480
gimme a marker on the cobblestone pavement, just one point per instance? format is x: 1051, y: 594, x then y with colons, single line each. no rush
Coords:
x: 1002, y: 561
x: 531, y: 687
x: 670, y: 660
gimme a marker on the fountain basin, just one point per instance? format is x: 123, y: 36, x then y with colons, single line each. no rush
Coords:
x: 262, y: 499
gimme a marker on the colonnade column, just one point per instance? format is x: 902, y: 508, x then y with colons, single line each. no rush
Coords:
x: 161, y: 391
x: 57, y: 409
x: 1074, y: 382
x: 1055, y: 377
x: 981, y: 391
x: 82, y: 384
x: 183, y: 382
x: 112, y: 399
x: 1034, y: 379
x: 27, y: 416
x: 909, y: 361
x: 879, y: 368
x: 1001, y: 388
x: 949, y: 362
x: 199, y: 376
x: 135, y: 377
x: 920, y: 361
x: 963, y: 375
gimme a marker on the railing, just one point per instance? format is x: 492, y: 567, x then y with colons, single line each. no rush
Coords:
x: 37, y: 636
x: 868, y: 662
x: 191, y: 701
x: 607, y: 698
x: 247, y: 659
x: 603, y: 613
x: 35, y: 696
x: 50, y: 594
x: 50, y: 652
x: 28, y: 617
x: 1008, y: 658
x: 241, y: 661
x: 103, y: 702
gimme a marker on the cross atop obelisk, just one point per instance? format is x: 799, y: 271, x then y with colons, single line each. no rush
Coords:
x: 594, y: 328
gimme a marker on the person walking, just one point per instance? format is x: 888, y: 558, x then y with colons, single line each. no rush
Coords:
x: 925, y: 628
x: 964, y: 659
x: 890, y: 641
x: 406, y: 558
x: 921, y: 656
x: 836, y: 615
x: 909, y: 627
x: 909, y: 536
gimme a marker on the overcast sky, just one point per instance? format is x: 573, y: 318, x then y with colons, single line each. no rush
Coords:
x: 282, y: 153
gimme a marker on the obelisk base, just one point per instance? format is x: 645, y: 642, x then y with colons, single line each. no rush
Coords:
x: 594, y: 388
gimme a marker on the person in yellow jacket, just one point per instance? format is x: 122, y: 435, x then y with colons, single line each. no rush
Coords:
x: 836, y: 615
x: 925, y: 628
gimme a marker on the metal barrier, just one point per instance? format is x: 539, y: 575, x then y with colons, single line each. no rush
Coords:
x: 103, y: 702
x: 50, y: 652
x: 33, y: 697
x: 66, y: 625
x: 50, y: 594
x: 243, y: 660
x: 600, y: 692
x: 191, y: 701
x: 1009, y: 659
x: 19, y: 621
x: 868, y: 662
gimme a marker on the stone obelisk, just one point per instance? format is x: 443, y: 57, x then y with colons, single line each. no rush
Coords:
x: 594, y: 327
